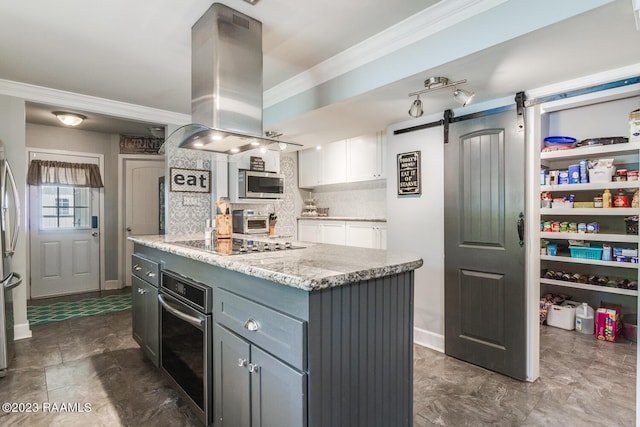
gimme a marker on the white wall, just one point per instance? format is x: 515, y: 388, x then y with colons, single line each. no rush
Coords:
x: 415, y: 224
x: 12, y: 133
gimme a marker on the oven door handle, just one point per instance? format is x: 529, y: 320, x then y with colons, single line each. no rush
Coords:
x: 198, y: 323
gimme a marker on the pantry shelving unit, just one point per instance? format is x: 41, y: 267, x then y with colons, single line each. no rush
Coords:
x: 595, y: 115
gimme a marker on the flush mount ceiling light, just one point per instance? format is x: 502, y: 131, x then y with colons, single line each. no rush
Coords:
x: 434, y: 83
x: 156, y: 131
x: 69, y: 119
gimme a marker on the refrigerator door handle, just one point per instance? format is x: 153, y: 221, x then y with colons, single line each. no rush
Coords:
x: 16, y: 198
x: 9, y: 284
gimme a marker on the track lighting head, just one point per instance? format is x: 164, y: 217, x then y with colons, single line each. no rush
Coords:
x: 416, y: 108
x: 464, y: 97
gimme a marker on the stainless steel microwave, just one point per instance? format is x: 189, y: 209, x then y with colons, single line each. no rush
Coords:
x: 260, y: 185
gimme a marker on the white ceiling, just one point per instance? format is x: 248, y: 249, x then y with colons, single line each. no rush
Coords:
x: 138, y: 52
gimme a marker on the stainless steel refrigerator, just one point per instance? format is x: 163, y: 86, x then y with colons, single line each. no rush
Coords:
x: 9, y: 228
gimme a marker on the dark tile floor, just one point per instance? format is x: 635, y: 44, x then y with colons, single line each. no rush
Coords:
x: 94, y: 360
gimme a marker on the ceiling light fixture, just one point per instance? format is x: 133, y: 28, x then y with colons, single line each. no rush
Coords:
x: 156, y: 131
x: 434, y: 83
x: 69, y: 119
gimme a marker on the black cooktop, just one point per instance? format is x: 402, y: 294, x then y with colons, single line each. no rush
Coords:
x: 237, y: 246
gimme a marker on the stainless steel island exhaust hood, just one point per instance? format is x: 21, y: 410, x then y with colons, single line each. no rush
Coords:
x: 226, y: 84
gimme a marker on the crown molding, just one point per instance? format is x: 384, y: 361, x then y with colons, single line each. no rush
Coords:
x: 585, y: 81
x: 70, y: 100
x: 423, y: 24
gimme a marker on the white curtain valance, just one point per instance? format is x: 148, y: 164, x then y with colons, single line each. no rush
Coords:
x: 64, y: 173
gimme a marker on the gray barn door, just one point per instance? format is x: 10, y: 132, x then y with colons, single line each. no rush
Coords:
x: 484, y: 255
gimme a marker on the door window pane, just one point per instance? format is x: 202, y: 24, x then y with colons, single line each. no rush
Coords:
x: 65, y: 207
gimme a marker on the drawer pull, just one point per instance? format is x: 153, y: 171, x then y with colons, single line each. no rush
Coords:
x: 253, y: 368
x: 137, y: 267
x: 251, y: 325
x: 242, y: 363
x: 151, y: 274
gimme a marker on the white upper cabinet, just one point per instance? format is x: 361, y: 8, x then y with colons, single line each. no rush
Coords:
x: 334, y: 162
x: 350, y: 160
x: 309, y: 168
x: 364, y: 157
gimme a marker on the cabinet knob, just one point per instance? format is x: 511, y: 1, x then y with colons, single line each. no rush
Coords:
x: 141, y: 291
x: 136, y: 267
x: 251, y: 325
x: 242, y: 362
x: 253, y: 368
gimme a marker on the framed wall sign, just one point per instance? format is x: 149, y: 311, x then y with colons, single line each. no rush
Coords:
x: 409, y: 176
x: 190, y: 180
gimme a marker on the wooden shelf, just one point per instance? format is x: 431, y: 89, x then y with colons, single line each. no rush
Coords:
x: 591, y: 186
x: 606, y: 289
x: 561, y: 258
x: 586, y: 152
x: 591, y: 211
x: 598, y: 237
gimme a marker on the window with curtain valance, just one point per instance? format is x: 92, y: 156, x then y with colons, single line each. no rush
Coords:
x: 43, y: 172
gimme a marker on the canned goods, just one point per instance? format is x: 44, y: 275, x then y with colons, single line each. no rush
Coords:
x: 547, y: 226
x: 597, y: 202
x: 582, y: 227
x: 632, y: 176
x: 555, y: 226
x: 564, y: 227
x: 573, y: 227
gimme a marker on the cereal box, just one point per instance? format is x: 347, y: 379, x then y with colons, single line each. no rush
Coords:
x: 608, y: 324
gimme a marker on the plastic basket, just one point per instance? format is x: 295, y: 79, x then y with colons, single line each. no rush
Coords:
x: 585, y: 253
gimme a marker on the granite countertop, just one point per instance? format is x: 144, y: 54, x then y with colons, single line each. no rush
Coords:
x: 315, y: 267
x: 342, y: 218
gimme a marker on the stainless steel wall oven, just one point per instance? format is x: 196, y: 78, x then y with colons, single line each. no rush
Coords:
x: 185, y: 340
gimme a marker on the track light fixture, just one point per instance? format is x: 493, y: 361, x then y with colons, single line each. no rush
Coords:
x: 434, y: 83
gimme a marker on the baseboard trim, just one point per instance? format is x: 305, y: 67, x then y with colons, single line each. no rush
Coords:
x: 21, y: 331
x: 110, y: 285
x: 428, y: 339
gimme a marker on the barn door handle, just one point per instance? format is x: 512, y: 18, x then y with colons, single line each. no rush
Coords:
x: 520, y: 225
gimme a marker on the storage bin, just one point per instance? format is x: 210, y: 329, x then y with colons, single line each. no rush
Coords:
x: 585, y: 253
x: 601, y: 174
x: 563, y: 316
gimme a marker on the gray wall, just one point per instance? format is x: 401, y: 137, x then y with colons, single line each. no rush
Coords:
x: 75, y: 140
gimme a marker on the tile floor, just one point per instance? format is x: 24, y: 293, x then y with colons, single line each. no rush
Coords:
x: 94, y: 360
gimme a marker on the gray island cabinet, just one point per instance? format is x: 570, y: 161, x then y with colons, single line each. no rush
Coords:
x: 319, y: 336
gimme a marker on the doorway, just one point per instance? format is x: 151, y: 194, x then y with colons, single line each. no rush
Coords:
x: 64, y: 239
x: 140, y: 178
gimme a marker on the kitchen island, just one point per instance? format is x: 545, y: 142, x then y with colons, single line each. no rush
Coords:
x: 316, y: 336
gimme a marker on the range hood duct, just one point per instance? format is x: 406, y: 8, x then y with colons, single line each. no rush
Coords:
x: 226, y: 85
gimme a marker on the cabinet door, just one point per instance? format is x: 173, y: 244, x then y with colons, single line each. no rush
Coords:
x: 308, y: 231
x: 151, y: 329
x: 278, y: 392
x: 362, y: 158
x: 137, y: 310
x: 334, y: 162
x: 332, y: 232
x: 231, y: 380
x: 309, y: 168
x: 382, y: 232
x: 362, y: 234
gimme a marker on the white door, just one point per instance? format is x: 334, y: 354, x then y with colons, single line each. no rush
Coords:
x: 64, y: 237
x: 142, y: 202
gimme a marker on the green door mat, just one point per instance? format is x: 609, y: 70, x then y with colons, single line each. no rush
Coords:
x: 41, y: 314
